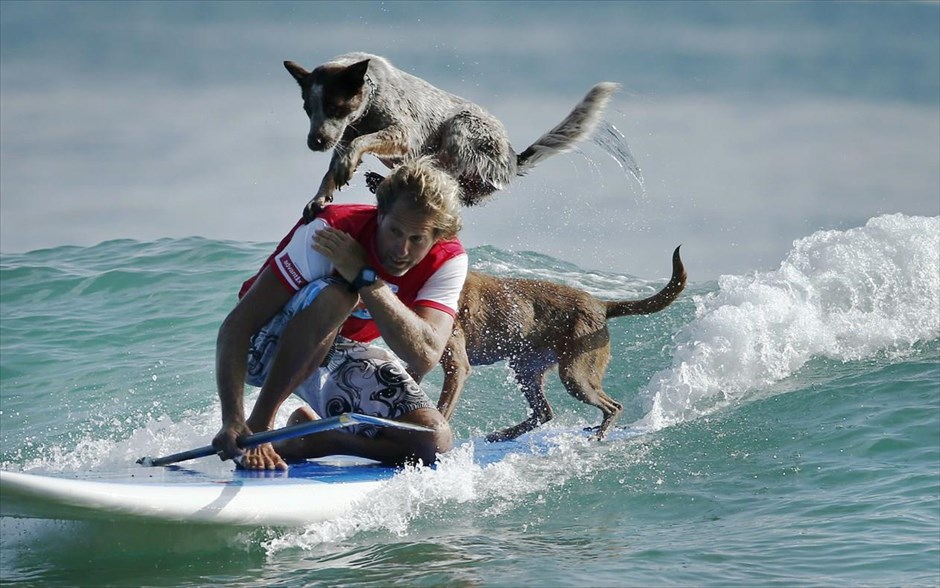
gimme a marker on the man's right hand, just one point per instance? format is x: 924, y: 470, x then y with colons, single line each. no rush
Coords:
x: 262, y: 457
x: 226, y: 440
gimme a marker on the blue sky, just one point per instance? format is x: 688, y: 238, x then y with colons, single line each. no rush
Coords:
x: 754, y: 124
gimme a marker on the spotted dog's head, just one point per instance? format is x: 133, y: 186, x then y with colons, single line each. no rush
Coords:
x: 334, y: 96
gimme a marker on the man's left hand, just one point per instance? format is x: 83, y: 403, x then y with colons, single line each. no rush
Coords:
x: 346, y: 255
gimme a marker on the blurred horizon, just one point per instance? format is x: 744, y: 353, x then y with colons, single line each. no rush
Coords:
x: 753, y: 124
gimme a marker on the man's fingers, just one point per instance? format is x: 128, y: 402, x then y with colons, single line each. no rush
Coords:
x: 327, y: 240
x: 331, y: 236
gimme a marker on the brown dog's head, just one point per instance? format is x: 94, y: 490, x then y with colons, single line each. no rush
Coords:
x: 333, y: 97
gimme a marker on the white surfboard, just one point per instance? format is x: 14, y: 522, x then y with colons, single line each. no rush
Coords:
x: 308, y: 493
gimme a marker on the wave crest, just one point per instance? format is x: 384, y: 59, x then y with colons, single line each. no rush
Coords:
x: 842, y: 295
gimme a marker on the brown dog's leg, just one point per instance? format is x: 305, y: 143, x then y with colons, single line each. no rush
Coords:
x: 582, y: 375
x: 532, y: 384
x: 456, y: 367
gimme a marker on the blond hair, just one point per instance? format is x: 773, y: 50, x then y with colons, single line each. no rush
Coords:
x: 425, y: 188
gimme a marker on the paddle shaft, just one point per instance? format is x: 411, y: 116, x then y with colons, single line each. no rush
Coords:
x: 318, y: 426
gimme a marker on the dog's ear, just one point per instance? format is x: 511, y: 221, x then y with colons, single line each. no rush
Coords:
x: 295, y: 70
x: 353, y: 77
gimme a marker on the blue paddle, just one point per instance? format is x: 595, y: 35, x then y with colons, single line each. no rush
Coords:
x: 344, y: 420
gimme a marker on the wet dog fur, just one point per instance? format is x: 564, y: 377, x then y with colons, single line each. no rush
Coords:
x: 360, y: 103
x: 534, y: 325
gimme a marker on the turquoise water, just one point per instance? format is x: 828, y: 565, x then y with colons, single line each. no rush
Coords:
x: 790, y: 427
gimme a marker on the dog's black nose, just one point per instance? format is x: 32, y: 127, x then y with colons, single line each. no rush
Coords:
x: 316, y: 143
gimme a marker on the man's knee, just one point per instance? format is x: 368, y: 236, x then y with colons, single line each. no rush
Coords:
x: 425, y: 446
x: 336, y: 298
x: 304, y: 414
x: 330, y: 308
x: 429, y: 446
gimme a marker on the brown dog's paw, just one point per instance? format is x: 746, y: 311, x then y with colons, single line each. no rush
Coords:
x: 502, y: 435
x: 495, y: 437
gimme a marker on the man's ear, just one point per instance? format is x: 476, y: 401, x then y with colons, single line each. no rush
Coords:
x: 295, y: 70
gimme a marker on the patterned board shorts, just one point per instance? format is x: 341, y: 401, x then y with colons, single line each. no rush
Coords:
x: 355, y: 377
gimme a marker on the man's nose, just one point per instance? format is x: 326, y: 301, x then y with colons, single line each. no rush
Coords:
x: 401, y: 248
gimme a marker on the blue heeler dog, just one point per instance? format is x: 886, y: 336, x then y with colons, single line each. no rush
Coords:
x: 360, y: 103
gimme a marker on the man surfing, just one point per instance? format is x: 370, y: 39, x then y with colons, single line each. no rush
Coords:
x: 305, y: 321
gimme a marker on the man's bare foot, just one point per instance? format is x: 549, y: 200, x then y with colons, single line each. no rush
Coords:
x: 262, y: 457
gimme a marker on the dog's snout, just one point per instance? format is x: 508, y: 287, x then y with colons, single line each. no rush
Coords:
x: 317, y: 142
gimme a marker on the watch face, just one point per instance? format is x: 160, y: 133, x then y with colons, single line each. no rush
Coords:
x: 367, y: 276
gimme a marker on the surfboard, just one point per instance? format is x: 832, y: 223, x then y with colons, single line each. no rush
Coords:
x: 309, y: 492
x: 312, y: 491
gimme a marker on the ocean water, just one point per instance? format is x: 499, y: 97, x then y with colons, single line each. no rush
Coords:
x: 740, y: 126
x: 784, y: 429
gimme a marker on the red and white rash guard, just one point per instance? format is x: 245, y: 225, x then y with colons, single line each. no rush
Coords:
x: 435, y: 282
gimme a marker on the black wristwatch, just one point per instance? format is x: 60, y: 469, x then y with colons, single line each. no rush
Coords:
x: 366, y: 277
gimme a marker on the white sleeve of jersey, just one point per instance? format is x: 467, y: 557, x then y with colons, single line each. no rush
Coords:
x: 298, y: 259
x: 444, y: 285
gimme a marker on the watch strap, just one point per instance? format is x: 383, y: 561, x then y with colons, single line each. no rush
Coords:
x: 366, y: 277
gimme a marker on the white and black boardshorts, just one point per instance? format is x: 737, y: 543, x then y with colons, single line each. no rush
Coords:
x: 355, y: 377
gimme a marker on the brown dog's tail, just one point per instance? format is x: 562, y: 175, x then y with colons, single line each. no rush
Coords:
x: 657, y: 301
x: 577, y: 126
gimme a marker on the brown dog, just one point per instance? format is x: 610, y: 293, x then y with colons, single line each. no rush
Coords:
x: 534, y: 325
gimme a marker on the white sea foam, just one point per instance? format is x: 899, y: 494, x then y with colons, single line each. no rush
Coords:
x: 135, y: 437
x: 494, y: 478
x: 842, y: 295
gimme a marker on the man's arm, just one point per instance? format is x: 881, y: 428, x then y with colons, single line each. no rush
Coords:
x: 265, y: 298
x: 419, y: 336
x: 416, y: 336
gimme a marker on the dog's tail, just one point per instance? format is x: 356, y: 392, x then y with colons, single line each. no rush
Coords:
x: 657, y: 301
x: 577, y: 126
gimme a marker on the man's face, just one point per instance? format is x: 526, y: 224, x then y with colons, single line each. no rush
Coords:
x: 404, y: 237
